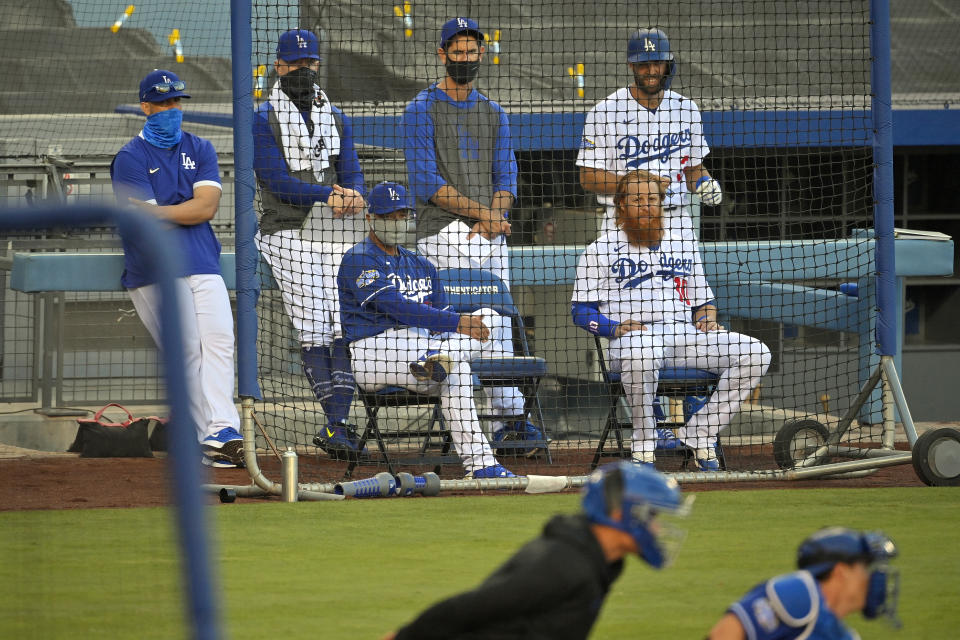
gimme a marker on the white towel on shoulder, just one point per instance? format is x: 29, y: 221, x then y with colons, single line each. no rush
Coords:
x: 303, y: 151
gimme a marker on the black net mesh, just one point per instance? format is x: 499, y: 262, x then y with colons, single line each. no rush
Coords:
x: 769, y: 99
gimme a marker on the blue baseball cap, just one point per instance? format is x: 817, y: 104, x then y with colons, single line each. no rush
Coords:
x: 297, y: 44
x: 160, y: 85
x: 456, y: 26
x: 388, y: 197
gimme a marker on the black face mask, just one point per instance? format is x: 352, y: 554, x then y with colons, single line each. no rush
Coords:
x: 463, y: 72
x: 298, y: 85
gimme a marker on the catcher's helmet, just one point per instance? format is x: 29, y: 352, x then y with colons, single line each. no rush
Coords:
x: 822, y: 550
x: 652, y: 45
x: 641, y: 493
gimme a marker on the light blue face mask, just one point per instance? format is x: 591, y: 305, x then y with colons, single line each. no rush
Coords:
x: 162, y: 129
x: 392, y: 232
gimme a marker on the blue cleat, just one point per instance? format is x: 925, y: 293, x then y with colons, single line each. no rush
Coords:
x: 339, y: 440
x: 432, y: 365
x: 223, y: 449
x: 667, y: 440
x: 706, y: 460
x: 496, y: 471
x: 520, y: 431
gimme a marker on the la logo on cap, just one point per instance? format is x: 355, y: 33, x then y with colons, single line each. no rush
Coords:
x: 648, y: 45
x: 301, y: 42
x: 461, y: 22
x: 393, y: 194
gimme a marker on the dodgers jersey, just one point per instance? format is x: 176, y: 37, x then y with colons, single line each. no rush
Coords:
x: 368, y: 274
x: 464, y: 144
x: 789, y: 607
x: 164, y: 177
x: 621, y: 135
x: 651, y: 285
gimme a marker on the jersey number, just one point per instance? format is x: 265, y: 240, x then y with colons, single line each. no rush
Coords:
x: 680, y: 284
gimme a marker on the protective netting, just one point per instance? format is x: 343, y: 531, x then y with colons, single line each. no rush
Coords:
x: 778, y: 92
x: 769, y: 99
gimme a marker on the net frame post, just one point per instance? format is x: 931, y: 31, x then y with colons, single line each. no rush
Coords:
x: 163, y: 257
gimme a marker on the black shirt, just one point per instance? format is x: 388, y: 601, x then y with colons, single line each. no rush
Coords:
x: 552, y: 588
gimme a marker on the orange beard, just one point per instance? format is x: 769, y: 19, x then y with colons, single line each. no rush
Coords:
x: 642, y: 236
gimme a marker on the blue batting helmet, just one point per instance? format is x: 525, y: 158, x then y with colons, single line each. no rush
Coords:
x: 821, y: 551
x: 651, y: 45
x: 641, y: 493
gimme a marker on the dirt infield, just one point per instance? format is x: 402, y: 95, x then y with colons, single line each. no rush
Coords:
x: 66, y: 481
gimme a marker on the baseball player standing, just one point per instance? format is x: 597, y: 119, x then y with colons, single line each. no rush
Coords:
x: 463, y: 173
x: 647, y: 126
x: 304, y: 156
x: 401, y: 333
x: 555, y: 585
x: 174, y: 175
x: 841, y: 571
x: 644, y: 288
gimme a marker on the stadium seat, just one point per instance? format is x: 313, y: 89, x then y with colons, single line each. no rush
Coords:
x: 686, y: 383
x: 467, y: 291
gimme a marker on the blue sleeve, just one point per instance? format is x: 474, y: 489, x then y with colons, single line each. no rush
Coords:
x: 504, y: 162
x: 207, y: 168
x: 129, y: 177
x: 271, y: 168
x: 349, y: 172
x: 414, y: 314
x: 423, y: 176
x: 587, y: 316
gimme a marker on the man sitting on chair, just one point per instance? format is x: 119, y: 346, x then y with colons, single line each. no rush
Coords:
x: 645, y: 290
x: 395, y: 316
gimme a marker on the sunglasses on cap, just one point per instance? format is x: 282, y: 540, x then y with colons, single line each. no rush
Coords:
x: 164, y: 87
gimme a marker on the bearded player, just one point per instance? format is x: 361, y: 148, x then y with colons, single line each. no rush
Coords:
x: 644, y: 288
x: 648, y: 126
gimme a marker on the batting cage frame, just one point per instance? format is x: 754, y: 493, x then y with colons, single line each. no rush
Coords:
x: 802, y: 445
x: 162, y: 257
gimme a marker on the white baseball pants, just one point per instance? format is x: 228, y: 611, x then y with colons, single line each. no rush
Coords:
x: 207, y: 324
x: 638, y: 357
x: 384, y: 360
x: 306, y: 274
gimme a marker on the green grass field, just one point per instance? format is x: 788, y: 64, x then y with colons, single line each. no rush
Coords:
x: 357, y: 569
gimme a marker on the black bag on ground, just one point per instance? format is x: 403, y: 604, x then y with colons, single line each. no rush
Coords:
x: 100, y: 438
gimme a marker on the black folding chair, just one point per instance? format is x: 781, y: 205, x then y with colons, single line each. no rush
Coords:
x: 672, y: 383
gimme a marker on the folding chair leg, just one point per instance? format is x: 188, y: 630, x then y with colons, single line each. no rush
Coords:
x: 612, y: 423
x: 374, y: 430
x: 531, y: 404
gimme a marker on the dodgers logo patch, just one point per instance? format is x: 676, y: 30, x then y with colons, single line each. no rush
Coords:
x: 367, y: 278
x: 764, y: 615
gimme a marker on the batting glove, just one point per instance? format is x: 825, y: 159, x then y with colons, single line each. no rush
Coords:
x: 709, y: 191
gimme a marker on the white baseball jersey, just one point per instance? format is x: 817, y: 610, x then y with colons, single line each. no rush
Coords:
x: 621, y: 135
x: 656, y: 285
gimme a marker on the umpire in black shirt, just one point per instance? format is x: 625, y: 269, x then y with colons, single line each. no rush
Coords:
x: 554, y: 587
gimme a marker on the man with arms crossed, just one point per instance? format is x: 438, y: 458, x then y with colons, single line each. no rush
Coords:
x: 173, y: 175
